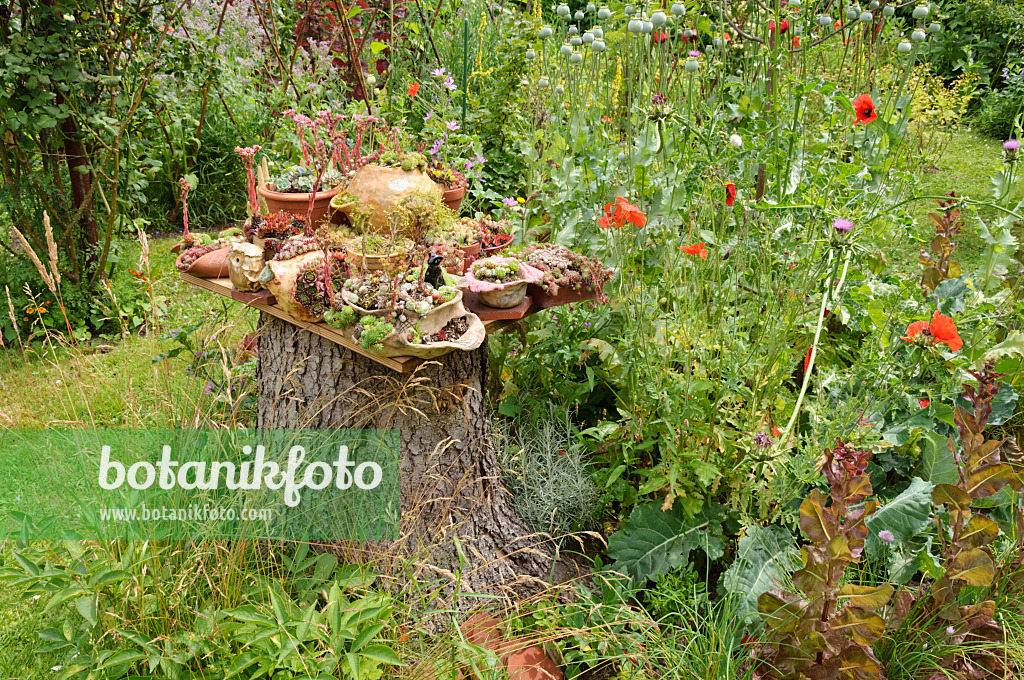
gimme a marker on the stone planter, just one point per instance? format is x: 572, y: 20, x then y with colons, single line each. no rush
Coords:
x: 504, y: 298
x: 298, y: 204
x: 382, y: 188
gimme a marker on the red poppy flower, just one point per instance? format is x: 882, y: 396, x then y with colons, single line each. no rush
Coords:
x: 413, y: 89
x: 771, y: 26
x: 618, y: 213
x: 940, y: 329
x: 924, y: 402
x: 695, y: 249
x: 864, y: 106
x: 838, y: 23
x: 807, y: 359
x: 784, y: 26
x: 660, y: 36
x: 730, y: 193
x: 776, y: 431
x: 796, y: 41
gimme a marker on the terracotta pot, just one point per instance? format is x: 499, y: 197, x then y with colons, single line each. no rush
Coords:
x: 382, y: 188
x: 497, y: 249
x: 504, y: 298
x: 298, y: 204
x: 469, y: 254
x: 373, y: 262
x: 339, y: 210
x: 453, y: 197
x: 565, y: 296
x: 212, y: 265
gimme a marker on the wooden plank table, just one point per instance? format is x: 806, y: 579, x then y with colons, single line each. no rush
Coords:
x: 258, y: 301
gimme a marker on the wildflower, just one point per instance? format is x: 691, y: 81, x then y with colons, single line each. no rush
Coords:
x: 1011, y: 145
x: 693, y: 53
x: 886, y: 536
x: 695, y: 249
x: 950, y: 630
x: 735, y: 141
x: 940, y: 329
x: 776, y: 432
x: 618, y: 213
x: 864, y: 106
x: 413, y: 89
x: 796, y: 41
x: 924, y: 402
x: 438, y: 72
x: 842, y: 225
x: 807, y: 359
x: 659, y: 99
x: 210, y: 387
x: 449, y: 83
x: 660, y: 37
x: 762, y: 440
x: 730, y: 193
x: 452, y: 125
x: 509, y: 202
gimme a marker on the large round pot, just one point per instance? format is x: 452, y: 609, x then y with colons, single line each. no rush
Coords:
x: 298, y: 204
x: 382, y: 188
x: 504, y: 298
x: 453, y: 197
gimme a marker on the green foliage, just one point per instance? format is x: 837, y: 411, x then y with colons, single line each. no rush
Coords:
x: 653, y: 541
x: 764, y: 558
x: 371, y: 332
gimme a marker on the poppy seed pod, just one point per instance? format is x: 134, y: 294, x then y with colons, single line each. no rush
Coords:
x: 718, y: 42
x: 918, y: 36
x: 559, y: 90
x: 634, y: 26
x: 575, y: 41
x: 799, y: 30
x: 852, y: 13
x: 573, y: 30
x: 646, y: 25
x: 920, y: 12
x: 371, y: 81
x: 543, y: 82
x: 904, y: 47
x: 691, y: 65
x: 678, y: 9
x: 563, y: 10
x: 530, y: 55
x: 888, y: 11
x: 794, y: 3
x: 576, y: 58
x: 866, y: 17
x: 591, y: 7
x: 566, y: 50
x: 688, y: 33
x: 824, y: 20
x: 579, y: 15
x: 620, y: 157
x: 545, y: 32
x: 588, y: 37
x: 659, y: 18
x: 604, y: 13
x: 874, y: 5
x: 598, y: 46
x: 935, y: 28
x: 630, y: 10
x: 598, y: 32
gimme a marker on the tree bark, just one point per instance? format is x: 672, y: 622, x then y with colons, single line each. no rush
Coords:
x: 451, y: 480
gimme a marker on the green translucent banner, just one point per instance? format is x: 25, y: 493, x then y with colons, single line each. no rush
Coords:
x: 301, y: 485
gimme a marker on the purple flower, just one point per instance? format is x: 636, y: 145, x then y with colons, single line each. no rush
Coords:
x: 762, y: 440
x: 694, y: 53
x: 842, y: 225
x: 1011, y: 145
x: 429, y: 115
x: 509, y: 202
x: 480, y: 160
x: 436, y: 147
x: 469, y: 165
x: 449, y: 83
x: 439, y: 72
x: 210, y: 387
x: 452, y: 125
x: 886, y: 536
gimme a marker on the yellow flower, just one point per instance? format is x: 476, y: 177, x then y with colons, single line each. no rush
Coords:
x: 521, y: 199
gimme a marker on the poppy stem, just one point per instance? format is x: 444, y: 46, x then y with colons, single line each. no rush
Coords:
x: 829, y: 292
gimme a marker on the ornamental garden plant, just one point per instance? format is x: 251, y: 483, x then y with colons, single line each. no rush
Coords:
x: 723, y: 299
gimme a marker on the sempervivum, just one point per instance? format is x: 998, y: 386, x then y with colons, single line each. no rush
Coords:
x: 189, y: 257
x: 295, y: 246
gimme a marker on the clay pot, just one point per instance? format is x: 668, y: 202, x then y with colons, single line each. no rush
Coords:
x: 382, y: 188
x: 298, y: 204
x: 566, y: 296
x: 453, y: 197
x: 245, y: 263
x: 212, y: 265
x: 497, y: 249
x: 373, y: 262
x: 504, y: 298
x: 469, y: 254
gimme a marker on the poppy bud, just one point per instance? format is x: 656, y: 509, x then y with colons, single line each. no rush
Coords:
x: 371, y: 81
x: 920, y: 12
x: 866, y: 17
x: 659, y: 18
x: 888, y: 11
x: 678, y: 9
x: 604, y: 13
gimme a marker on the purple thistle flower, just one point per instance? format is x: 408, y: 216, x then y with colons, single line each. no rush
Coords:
x: 452, y: 125
x: 762, y: 440
x: 886, y: 536
x: 694, y: 53
x: 842, y: 225
x: 1011, y: 145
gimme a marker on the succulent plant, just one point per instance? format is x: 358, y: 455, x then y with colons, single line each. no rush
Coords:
x: 195, y: 252
x: 497, y: 269
x: 299, y: 179
x: 447, y: 176
x: 563, y: 267
x: 295, y: 246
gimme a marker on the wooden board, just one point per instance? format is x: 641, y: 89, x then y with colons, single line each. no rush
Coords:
x: 400, y: 364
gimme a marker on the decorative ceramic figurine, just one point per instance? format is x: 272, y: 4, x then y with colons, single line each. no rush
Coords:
x: 434, y: 275
x: 244, y: 266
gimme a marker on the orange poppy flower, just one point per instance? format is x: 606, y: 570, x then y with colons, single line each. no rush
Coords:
x: 413, y: 89
x: 924, y: 402
x: 940, y: 329
x: 622, y: 211
x: 695, y: 249
x: 776, y: 431
x: 864, y: 106
x: 807, y: 359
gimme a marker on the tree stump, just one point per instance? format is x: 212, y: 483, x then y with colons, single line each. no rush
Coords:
x: 451, y: 480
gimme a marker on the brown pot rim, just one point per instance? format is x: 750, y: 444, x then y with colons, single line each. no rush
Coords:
x: 454, y: 193
x: 296, y: 198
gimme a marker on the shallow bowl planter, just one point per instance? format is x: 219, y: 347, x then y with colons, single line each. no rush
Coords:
x: 212, y: 265
x: 298, y: 204
x: 504, y: 295
x: 494, y: 250
x: 373, y: 262
x: 504, y: 298
x: 453, y: 197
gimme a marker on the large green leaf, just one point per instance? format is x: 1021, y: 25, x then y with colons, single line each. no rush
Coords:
x: 653, y: 542
x: 905, y: 516
x: 764, y: 556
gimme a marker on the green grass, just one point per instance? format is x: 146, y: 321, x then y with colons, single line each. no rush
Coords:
x: 19, y: 641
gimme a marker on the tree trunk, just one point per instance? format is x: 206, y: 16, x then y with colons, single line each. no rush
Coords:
x: 451, y: 483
